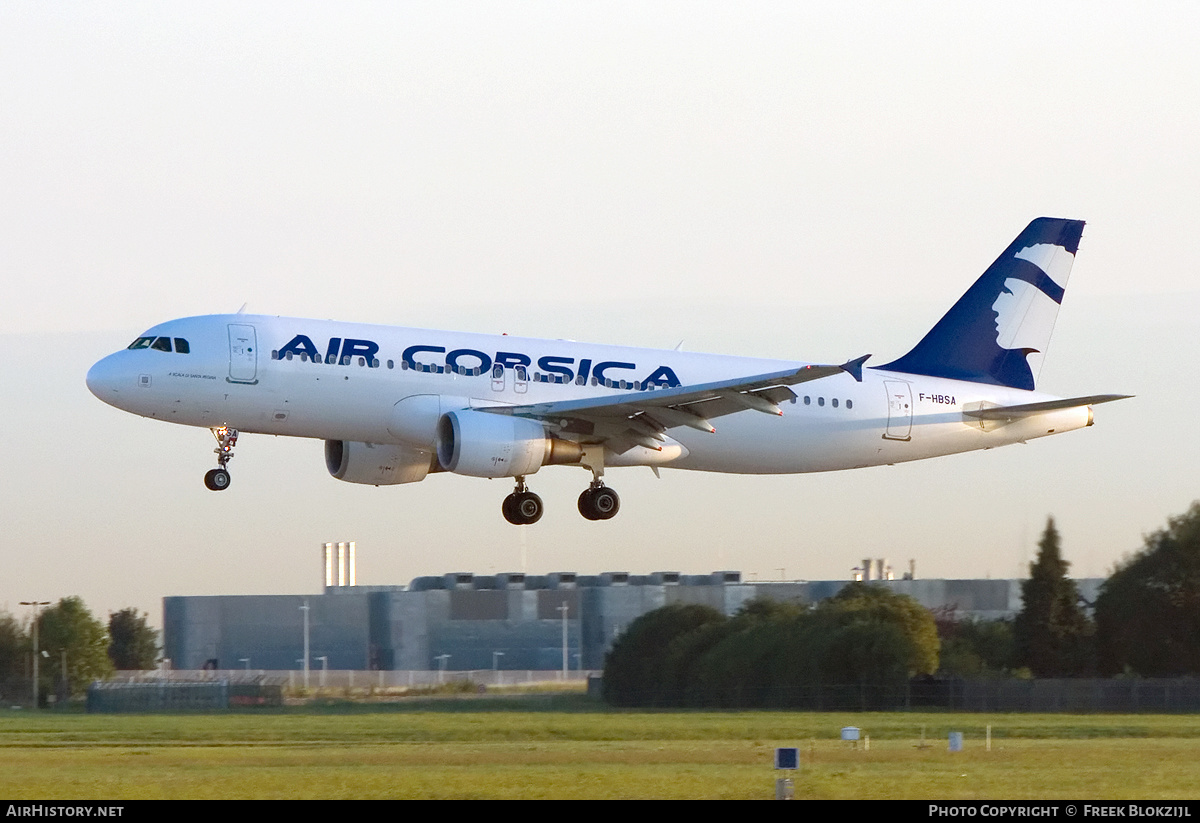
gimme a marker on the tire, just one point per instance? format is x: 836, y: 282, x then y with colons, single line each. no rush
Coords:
x: 509, y: 508
x: 217, y: 480
x: 528, y: 508
x: 605, y: 502
x: 586, y: 508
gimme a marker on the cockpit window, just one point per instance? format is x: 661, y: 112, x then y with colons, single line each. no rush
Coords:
x: 161, y: 344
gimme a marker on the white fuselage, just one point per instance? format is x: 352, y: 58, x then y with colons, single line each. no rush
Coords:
x: 258, y: 374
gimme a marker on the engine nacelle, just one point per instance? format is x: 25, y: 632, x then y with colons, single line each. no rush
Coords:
x: 377, y: 464
x: 481, y: 444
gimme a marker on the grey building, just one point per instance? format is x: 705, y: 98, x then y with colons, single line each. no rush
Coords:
x: 463, y: 621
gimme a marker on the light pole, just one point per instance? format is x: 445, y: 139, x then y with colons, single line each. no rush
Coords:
x: 563, y: 608
x: 304, y: 609
x: 324, y: 668
x: 35, y: 604
x: 442, y: 659
x: 245, y: 660
x: 496, y: 666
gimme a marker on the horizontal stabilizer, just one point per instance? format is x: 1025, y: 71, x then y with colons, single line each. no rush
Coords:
x: 1031, y: 409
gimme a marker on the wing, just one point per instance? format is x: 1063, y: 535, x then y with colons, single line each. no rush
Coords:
x: 639, y: 418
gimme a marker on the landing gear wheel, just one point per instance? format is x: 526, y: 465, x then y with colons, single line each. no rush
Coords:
x: 599, y: 503
x: 217, y: 479
x: 522, y: 508
x: 585, y: 504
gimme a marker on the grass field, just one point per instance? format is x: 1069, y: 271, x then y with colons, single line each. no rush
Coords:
x: 569, y: 747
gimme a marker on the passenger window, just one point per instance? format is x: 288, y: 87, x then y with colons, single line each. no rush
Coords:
x: 849, y: 404
x: 835, y: 402
x: 820, y: 401
x: 181, y: 346
x: 161, y: 344
x: 807, y: 400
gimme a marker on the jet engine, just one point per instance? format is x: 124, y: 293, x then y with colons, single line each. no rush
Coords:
x: 481, y: 444
x: 377, y: 464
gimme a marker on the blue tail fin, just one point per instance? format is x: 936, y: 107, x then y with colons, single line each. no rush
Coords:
x: 998, y: 331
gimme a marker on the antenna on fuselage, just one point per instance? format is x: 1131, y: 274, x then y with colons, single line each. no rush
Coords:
x: 242, y: 310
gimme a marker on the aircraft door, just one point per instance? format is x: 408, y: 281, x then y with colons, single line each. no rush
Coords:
x: 899, y: 424
x: 243, y: 354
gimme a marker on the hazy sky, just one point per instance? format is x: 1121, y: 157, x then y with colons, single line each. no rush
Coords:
x: 809, y: 181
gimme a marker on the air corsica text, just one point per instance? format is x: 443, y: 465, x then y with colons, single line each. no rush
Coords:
x: 426, y: 358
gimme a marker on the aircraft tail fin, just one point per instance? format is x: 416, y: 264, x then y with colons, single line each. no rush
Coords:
x: 999, y: 330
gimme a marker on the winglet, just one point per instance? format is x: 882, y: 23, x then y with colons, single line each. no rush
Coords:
x: 854, y: 367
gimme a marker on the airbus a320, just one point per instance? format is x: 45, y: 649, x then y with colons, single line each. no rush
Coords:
x: 394, y: 405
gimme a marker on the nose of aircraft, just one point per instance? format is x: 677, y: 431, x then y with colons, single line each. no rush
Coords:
x: 104, y: 379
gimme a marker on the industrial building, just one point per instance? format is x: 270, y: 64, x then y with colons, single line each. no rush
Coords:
x: 463, y: 621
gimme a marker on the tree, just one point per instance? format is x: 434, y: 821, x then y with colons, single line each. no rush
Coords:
x: 1052, y: 632
x: 772, y: 654
x: 67, y: 630
x: 973, y: 647
x: 738, y: 663
x: 861, y: 605
x: 1148, y: 611
x: 14, y: 648
x: 635, y: 668
x: 133, y: 643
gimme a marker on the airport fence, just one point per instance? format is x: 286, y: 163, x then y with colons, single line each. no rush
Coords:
x: 162, y: 694
x: 1070, y: 696
x: 1132, y: 695
x: 1082, y: 695
x: 351, y: 681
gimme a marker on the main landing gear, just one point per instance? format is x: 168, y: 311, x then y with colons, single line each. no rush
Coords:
x: 522, y: 507
x: 598, y: 501
x: 218, y: 479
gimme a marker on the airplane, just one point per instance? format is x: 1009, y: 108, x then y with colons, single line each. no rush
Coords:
x: 394, y: 405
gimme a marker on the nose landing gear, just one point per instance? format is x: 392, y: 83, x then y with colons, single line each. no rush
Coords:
x: 522, y: 507
x: 218, y: 479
